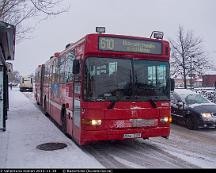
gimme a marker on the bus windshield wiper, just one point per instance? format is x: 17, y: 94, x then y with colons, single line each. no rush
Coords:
x: 113, y: 102
x: 153, y: 101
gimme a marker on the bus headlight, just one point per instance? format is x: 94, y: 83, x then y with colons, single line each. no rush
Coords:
x: 91, y: 122
x: 166, y: 119
x: 96, y: 122
x: 206, y: 116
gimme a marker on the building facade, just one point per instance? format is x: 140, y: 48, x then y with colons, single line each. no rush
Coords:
x: 209, y: 80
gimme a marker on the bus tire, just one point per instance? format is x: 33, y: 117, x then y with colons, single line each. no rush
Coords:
x: 63, y: 119
x: 45, y: 107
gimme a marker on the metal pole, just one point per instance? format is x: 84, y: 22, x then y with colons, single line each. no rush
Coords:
x: 2, y: 94
x: 191, y: 71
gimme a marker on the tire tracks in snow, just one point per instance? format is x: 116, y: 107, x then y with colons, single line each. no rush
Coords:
x: 141, y: 155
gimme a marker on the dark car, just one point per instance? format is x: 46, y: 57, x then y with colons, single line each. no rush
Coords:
x: 192, y: 109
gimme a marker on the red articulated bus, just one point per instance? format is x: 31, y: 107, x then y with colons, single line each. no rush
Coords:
x: 108, y: 87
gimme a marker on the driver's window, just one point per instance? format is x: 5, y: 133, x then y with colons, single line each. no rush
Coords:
x: 152, y: 75
x: 69, y: 66
x: 161, y: 74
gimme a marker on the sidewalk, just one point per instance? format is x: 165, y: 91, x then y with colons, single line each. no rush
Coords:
x: 27, y: 128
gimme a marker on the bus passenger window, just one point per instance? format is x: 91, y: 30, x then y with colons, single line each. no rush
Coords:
x: 69, y: 67
x: 62, y: 70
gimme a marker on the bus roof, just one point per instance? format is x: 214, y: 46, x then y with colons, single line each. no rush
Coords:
x: 91, y: 43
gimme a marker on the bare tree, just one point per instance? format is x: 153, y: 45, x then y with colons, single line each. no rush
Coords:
x: 16, y: 12
x: 187, y: 57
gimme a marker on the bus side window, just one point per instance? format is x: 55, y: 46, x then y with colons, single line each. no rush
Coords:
x: 62, y: 70
x: 69, y: 66
x: 55, y: 71
x: 57, y: 76
x: 53, y: 74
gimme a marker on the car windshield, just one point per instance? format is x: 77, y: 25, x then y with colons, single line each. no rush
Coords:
x: 195, y: 99
x: 115, y: 79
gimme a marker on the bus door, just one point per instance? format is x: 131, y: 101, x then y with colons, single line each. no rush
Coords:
x: 42, y: 85
x: 76, y: 109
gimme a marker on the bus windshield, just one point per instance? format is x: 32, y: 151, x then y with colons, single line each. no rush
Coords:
x: 115, y: 79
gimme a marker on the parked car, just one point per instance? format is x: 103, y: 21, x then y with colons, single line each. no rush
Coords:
x: 192, y: 109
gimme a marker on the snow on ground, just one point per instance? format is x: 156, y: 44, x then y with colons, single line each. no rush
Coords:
x: 191, y: 157
x: 188, y: 147
x: 27, y: 128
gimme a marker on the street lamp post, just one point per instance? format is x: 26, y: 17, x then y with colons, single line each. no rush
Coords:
x: 191, y: 70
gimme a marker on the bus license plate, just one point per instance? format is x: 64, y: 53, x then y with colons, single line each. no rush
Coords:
x: 134, y: 135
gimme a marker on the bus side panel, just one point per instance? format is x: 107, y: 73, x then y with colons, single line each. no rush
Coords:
x: 69, y: 112
x: 55, y: 111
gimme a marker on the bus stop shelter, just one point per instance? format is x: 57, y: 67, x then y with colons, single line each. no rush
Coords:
x: 7, y: 49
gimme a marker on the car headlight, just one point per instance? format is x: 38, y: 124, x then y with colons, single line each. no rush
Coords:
x: 206, y: 115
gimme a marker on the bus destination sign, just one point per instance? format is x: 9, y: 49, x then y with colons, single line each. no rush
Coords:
x: 130, y: 45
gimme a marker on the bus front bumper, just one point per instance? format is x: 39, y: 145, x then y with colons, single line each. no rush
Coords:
x: 124, y: 134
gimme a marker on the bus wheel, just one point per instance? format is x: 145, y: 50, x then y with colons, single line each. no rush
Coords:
x: 64, y: 121
x: 45, y: 107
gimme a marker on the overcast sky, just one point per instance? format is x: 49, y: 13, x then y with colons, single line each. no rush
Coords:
x: 126, y: 17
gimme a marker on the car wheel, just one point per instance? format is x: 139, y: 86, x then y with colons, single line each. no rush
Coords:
x: 191, y: 123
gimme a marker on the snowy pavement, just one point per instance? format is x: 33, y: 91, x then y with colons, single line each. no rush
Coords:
x: 27, y: 128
